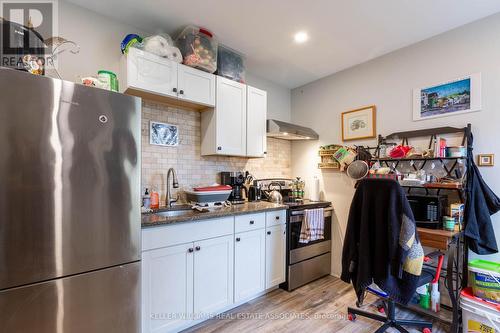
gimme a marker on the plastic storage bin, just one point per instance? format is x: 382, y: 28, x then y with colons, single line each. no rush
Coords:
x: 199, y: 48
x: 207, y: 196
x: 478, y: 315
x: 231, y: 64
x: 485, y: 279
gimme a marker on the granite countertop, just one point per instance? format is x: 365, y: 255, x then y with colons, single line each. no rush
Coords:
x: 153, y: 219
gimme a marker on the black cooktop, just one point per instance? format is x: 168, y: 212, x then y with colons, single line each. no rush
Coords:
x: 307, y: 204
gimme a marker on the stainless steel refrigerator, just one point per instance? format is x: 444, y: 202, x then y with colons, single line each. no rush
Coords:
x: 69, y: 207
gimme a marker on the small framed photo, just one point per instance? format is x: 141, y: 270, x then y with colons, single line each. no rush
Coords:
x: 486, y: 159
x: 359, y: 124
x: 162, y: 134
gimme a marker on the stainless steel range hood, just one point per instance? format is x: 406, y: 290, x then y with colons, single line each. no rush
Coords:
x: 282, y: 130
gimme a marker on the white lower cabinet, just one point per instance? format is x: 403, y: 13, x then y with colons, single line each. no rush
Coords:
x: 213, y: 275
x: 167, y: 288
x: 191, y: 271
x: 186, y: 282
x: 249, y: 264
x: 275, y: 255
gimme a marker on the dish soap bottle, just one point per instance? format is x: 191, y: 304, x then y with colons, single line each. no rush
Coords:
x: 155, y: 199
x: 146, y: 199
x: 435, y: 297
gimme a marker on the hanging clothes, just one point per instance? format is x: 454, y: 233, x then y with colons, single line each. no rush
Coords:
x: 481, y: 203
x: 381, y: 244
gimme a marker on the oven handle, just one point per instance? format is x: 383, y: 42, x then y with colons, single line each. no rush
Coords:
x: 327, y: 213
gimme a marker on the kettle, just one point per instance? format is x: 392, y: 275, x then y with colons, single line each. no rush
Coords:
x: 274, y: 195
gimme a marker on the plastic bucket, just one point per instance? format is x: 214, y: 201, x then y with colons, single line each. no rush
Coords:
x: 478, y: 315
x: 485, y: 279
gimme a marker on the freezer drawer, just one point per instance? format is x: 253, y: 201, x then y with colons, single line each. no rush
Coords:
x: 308, y: 270
x: 104, y: 301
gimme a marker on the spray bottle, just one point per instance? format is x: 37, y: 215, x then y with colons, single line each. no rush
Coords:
x: 435, y: 297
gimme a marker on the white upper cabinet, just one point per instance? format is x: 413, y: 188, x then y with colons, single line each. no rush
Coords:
x: 150, y: 73
x: 256, y: 122
x: 233, y: 119
x: 195, y: 85
x: 224, y: 129
x: 147, y: 75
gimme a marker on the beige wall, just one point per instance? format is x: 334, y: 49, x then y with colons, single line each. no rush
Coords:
x: 99, y: 39
x: 192, y: 168
x: 387, y: 82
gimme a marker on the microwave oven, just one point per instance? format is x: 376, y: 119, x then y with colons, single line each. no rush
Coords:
x: 428, y: 210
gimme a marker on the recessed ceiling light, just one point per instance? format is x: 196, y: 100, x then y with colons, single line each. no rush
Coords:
x: 300, y: 37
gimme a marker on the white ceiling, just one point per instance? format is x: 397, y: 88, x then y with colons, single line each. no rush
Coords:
x: 342, y: 33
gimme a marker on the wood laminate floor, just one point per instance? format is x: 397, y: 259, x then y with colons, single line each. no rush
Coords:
x: 320, y: 306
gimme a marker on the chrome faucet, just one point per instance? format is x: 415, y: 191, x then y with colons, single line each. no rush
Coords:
x: 175, y: 184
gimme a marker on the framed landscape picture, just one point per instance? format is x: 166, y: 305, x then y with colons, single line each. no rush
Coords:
x: 359, y: 124
x: 457, y: 96
x: 163, y: 134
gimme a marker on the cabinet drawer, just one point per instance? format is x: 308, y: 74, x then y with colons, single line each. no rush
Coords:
x: 162, y: 236
x: 249, y: 222
x: 275, y: 218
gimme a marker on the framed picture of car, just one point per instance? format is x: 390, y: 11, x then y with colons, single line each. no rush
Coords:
x: 359, y: 124
x: 449, y: 98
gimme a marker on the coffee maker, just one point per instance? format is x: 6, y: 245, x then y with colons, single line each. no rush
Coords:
x: 236, y: 180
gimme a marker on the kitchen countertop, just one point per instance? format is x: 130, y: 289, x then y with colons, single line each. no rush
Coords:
x: 152, y: 219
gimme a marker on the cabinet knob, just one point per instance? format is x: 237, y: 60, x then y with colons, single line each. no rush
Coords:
x: 174, y: 90
x: 277, y: 217
x: 265, y: 153
x: 181, y: 92
x: 268, y: 232
x: 197, y: 248
x: 219, y: 148
x: 238, y: 239
x: 190, y: 250
x: 252, y: 222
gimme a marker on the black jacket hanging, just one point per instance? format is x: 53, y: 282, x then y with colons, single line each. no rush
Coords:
x: 381, y: 244
x: 480, y: 205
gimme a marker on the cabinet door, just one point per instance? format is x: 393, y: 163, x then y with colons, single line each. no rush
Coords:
x: 275, y: 255
x: 213, y: 274
x: 167, y: 288
x: 256, y: 122
x: 148, y: 72
x: 231, y: 118
x: 249, y: 264
x: 196, y: 86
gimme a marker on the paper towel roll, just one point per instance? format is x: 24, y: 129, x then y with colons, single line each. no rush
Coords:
x: 314, y: 196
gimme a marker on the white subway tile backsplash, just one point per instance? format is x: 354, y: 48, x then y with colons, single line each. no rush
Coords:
x: 192, y: 168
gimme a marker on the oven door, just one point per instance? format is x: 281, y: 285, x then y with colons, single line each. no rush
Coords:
x: 303, y: 251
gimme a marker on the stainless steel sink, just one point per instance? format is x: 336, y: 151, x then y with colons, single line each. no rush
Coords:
x: 175, y: 211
